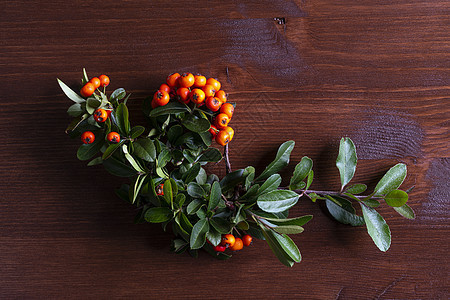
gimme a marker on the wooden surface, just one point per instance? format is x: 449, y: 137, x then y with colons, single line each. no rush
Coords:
x: 376, y: 71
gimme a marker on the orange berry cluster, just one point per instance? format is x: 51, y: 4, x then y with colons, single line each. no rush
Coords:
x: 89, y: 88
x: 188, y: 88
x: 100, y: 115
x: 233, y: 243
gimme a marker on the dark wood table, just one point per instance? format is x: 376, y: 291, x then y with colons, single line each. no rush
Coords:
x: 310, y: 71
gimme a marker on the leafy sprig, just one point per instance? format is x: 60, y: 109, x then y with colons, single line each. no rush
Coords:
x: 169, y: 185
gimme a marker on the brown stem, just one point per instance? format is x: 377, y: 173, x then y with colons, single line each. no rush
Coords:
x: 227, y: 160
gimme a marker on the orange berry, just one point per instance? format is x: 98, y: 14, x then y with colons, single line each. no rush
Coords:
x: 213, y: 130
x: 238, y: 245
x: 213, y: 103
x: 209, y: 90
x: 199, y: 80
x: 161, y: 98
x: 88, y: 137
x: 100, y: 115
x: 95, y: 81
x: 228, y: 109
x: 113, y: 137
x: 223, y: 138
x: 222, y: 121
x: 87, y: 90
x: 230, y: 132
x: 164, y: 87
x: 172, y: 79
x: 183, y: 95
x: 223, y: 97
x: 160, y: 190
x: 228, y: 240
x: 247, y: 240
x: 220, y: 248
x: 197, y: 96
x: 214, y: 82
x: 104, y: 80
x: 186, y: 80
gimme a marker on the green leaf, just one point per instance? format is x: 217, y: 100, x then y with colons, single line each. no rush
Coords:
x: 300, y: 172
x: 276, y: 248
x: 281, y: 160
x: 118, y: 168
x: 201, y: 177
x: 289, y: 247
x: 213, y: 236
x: 70, y: 93
x: 194, y: 206
x: 168, y: 192
x: 277, y: 201
x: 179, y: 246
x: 289, y: 229
x: 391, y: 180
x: 145, y: 149
x: 210, y: 155
x: 174, y: 133
x: 198, y: 236
x: 377, y: 228
x: 118, y: 94
x: 346, y: 160
x: 137, y: 187
x: 255, y: 231
x: 111, y: 149
x: 251, y: 193
x: 95, y: 161
x: 131, y: 159
x: 371, y: 202
x: 201, y: 214
x: 185, y: 223
x: 342, y: 215
x: 179, y: 200
x: 272, y: 183
x: 122, y: 121
x: 357, y: 188
x: 92, y: 104
x: 163, y: 158
x: 299, y: 221
x: 214, y: 197
x: 206, y: 138
x: 396, y: 198
x: 309, y: 180
x: 196, y: 124
x: 174, y: 187
x: 192, y: 173
x: 406, y: 212
x: 170, y: 108
x: 243, y: 225
x: 75, y: 110
x: 87, y: 151
x: 136, y: 131
x: 161, y: 172
x: 221, y: 225
x: 250, y: 171
x: 231, y: 180
x: 195, y: 190
x: 158, y: 214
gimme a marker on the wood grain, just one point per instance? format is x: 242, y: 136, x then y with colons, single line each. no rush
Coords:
x: 376, y: 71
